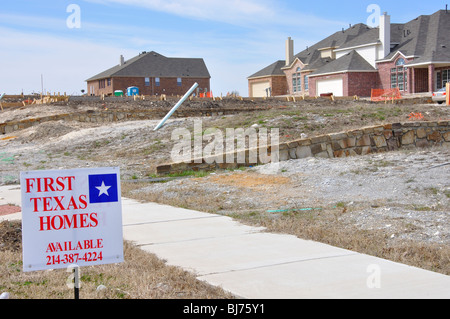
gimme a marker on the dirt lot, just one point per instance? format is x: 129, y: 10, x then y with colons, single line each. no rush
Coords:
x: 393, y: 205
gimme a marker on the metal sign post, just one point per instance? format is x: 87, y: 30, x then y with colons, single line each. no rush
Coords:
x: 73, y: 281
x: 76, y: 279
x: 184, y: 98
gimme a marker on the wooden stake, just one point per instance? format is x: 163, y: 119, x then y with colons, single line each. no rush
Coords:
x: 447, y: 96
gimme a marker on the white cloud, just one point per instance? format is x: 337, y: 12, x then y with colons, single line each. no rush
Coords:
x: 230, y: 11
x: 64, y: 63
x: 249, y: 13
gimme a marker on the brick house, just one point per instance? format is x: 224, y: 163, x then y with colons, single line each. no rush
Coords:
x: 153, y: 74
x: 413, y: 57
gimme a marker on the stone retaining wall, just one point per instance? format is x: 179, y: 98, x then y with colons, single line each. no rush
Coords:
x: 373, y: 139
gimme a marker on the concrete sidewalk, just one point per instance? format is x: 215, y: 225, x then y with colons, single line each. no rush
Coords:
x: 251, y: 263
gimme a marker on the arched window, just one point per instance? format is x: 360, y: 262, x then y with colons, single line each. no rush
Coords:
x: 400, y: 62
x: 399, y: 76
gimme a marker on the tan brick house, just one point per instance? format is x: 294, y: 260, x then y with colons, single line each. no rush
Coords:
x: 153, y: 74
x: 413, y: 57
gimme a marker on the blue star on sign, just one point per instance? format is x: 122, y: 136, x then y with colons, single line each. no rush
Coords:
x: 103, y: 188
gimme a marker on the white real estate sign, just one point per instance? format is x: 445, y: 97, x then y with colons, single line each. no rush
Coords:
x: 71, y: 217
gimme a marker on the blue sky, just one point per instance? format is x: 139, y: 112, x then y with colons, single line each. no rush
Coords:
x: 236, y: 38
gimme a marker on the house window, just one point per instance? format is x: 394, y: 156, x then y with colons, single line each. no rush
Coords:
x: 297, y: 81
x: 442, y: 78
x: 400, y: 62
x: 445, y: 77
x: 393, y: 79
x: 101, y: 84
x: 399, y: 76
x: 306, y: 82
x: 438, y: 80
x: 109, y: 82
x: 179, y: 81
x: 147, y: 81
x: 157, y: 82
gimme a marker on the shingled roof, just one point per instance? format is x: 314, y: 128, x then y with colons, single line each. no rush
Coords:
x: 425, y: 38
x: 337, y: 40
x: 273, y: 69
x: 350, y: 62
x: 311, y: 57
x: 153, y: 64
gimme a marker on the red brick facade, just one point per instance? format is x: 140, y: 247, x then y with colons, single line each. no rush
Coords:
x: 294, y: 71
x: 168, y: 86
x: 277, y: 83
x: 361, y: 83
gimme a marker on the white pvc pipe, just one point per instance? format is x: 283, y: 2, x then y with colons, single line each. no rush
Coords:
x: 184, y: 98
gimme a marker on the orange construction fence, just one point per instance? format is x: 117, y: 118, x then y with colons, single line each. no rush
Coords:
x: 385, y: 94
x: 205, y: 95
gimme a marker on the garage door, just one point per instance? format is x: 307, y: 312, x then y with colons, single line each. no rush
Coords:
x: 335, y: 86
x: 259, y: 89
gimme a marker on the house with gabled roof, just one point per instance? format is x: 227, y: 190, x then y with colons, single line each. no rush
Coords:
x: 153, y: 74
x: 413, y: 57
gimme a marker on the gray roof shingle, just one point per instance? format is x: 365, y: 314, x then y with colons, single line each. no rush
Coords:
x: 351, y: 61
x: 273, y: 69
x: 425, y: 38
x: 153, y: 64
x: 311, y: 56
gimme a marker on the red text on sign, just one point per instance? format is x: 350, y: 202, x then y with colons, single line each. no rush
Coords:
x: 75, y: 221
x: 78, y: 245
x: 48, y: 184
x: 48, y: 204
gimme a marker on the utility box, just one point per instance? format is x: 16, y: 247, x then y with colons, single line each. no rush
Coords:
x: 132, y: 90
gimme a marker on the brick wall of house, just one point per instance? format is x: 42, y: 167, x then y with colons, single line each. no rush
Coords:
x: 92, y: 88
x: 361, y: 84
x: 168, y: 86
x: 384, y: 70
x: 125, y: 82
x: 277, y: 83
x: 312, y: 86
x: 289, y: 76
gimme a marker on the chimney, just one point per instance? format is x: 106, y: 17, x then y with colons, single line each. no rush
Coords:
x: 385, y: 35
x: 289, y: 51
x: 122, y: 60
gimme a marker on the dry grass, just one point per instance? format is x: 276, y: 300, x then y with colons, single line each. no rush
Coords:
x: 141, y: 276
